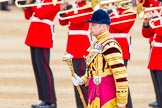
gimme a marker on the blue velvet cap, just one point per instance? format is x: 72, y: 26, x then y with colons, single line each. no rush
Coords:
x: 100, y: 16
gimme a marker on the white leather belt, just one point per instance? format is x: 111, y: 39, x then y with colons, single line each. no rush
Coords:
x: 46, y: 21
x: 79, y: 32
x: 36, y: 19
x: 157, y: 44
x: 119, y: 35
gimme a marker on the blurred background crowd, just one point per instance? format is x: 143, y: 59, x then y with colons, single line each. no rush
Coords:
x: 4, y: 6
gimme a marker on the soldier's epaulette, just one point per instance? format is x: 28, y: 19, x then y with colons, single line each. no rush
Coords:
x: 109, y: 44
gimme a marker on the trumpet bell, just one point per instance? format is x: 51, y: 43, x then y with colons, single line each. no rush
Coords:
x: 140, y: 10
x: 95, y: 4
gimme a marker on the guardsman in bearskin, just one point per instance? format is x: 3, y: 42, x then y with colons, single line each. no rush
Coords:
x: 145, y: 4
x: 40, y: 39
x: 155, y: 58
x: 120, y: 32
x: 106, y: 75
x: 78, y: 41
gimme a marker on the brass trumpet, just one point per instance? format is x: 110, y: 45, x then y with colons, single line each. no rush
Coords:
x: 145, y: 10
x: 151, y: 22
x: 130, y: 12
x: 140, y: 10
x: 141, y: 13
x: 94, y: 4
x: 54, y: 2
x: 88, y: 5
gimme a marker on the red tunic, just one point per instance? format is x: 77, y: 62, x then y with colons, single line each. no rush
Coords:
x: 150, y: 3
x: 155, y: 59
x: 78, y: 40
x: 154, y: 3
x: 40, y: 33
x: 122, y: 31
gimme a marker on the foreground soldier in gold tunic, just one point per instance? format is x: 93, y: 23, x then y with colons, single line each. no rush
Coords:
x: 106, y: 75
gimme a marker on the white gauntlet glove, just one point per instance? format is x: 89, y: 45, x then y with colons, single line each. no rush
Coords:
x: 77, y: 80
